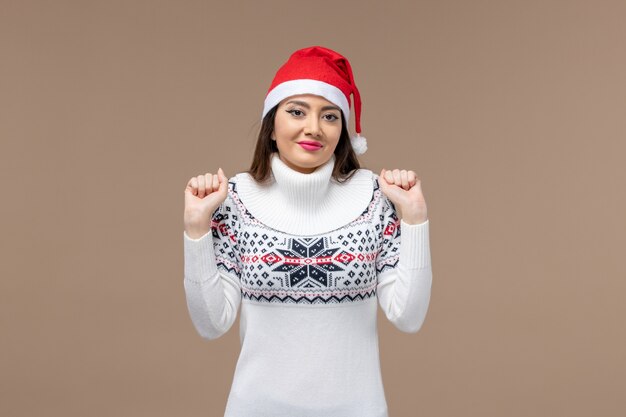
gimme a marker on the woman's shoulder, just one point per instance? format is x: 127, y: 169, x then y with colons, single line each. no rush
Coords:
x: 229, y: 206
x: 373, y: 177
x: 366, y: 172
x: 382, y: 203
x: 236, y: 181
x: 379, y: 203
x: 241, y: 180
x: 361, y: 175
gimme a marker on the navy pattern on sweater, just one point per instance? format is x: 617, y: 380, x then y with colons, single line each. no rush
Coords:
x: 340, y: 266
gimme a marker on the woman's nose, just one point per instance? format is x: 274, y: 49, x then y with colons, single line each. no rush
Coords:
x: 312, y: 127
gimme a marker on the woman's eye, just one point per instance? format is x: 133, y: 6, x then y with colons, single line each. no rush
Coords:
x: 332, y: 117
x: 295, y: 112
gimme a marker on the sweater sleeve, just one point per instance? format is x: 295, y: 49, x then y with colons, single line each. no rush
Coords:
x: 404, y: 271
x: 211, y: 275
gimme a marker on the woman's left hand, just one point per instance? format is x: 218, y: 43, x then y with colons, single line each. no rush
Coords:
x: 404, y: 190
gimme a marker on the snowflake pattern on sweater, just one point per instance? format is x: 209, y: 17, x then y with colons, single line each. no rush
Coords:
x: 339, y: 266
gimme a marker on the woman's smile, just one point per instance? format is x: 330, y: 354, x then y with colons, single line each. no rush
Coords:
x: 310, y: 145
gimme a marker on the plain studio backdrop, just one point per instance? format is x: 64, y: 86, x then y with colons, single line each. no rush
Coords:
x: 512, y: 114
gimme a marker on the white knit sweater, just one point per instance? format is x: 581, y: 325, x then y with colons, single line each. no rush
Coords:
x: 308, y: 260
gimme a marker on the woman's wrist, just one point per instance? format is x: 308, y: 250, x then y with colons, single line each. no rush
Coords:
x: 197, y: 229
x: 196, y: 233
x: 414, y: 220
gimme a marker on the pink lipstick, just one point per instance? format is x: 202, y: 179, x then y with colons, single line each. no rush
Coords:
x: 310, y: 146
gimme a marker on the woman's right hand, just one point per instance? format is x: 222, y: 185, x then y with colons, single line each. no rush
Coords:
x: 203, y: 195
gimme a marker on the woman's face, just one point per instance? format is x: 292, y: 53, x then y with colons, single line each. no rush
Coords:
x: 306, y: 118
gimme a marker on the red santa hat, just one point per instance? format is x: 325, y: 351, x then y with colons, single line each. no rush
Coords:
x: 323, y: 72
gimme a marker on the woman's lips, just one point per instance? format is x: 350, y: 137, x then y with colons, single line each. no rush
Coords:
x: 309, y: 146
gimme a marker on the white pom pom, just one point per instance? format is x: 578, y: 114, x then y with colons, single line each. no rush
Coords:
x: 359, y: 144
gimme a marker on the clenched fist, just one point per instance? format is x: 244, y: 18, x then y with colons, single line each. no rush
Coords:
x: 404, y: 189
x: 203, y: 195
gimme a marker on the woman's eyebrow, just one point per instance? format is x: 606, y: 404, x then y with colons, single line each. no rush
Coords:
x: 306, y: 105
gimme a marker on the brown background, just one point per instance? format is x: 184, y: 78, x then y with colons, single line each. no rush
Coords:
x: 512, y: 114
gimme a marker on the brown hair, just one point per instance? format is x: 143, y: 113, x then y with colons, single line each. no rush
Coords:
x: 346, y: 162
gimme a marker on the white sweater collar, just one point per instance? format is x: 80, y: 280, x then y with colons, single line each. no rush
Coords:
x: 305, y: 204
x: 304, y: 191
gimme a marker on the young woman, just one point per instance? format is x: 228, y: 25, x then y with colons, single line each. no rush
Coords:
x: 308, y: 244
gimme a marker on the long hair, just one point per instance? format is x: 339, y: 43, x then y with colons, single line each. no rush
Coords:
x: 346, y: 162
